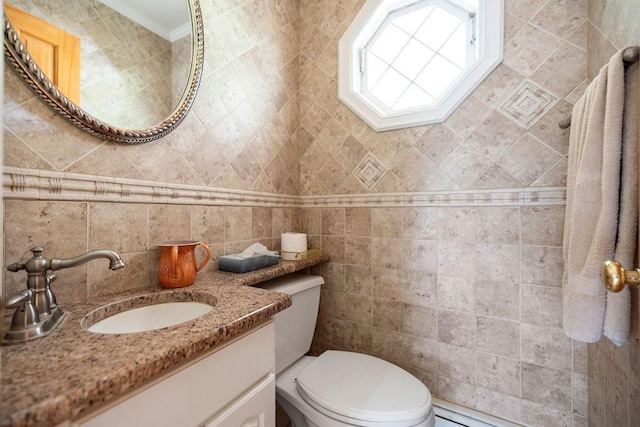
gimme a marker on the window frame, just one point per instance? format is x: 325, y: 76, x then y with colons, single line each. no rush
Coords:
x: 374, y: 13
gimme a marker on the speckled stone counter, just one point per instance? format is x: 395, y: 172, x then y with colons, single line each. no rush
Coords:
x: 72, y: 371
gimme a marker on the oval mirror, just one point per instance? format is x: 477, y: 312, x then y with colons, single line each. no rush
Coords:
x: 108, y: 66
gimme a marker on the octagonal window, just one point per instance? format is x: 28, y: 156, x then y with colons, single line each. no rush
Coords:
x: 408, y: 63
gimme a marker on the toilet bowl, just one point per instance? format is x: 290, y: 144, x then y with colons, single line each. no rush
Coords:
x: 338, y: 388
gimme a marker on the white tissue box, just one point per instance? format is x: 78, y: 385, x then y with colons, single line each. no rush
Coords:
x: 235, y: 263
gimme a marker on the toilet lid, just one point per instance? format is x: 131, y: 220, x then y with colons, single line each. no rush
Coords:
x: 353, y: 386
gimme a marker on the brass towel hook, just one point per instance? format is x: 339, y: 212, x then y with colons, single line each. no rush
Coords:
x: 615, y: 277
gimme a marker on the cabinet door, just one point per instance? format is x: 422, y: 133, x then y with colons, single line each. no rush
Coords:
x: 199, y: 390
x: 256, y: 408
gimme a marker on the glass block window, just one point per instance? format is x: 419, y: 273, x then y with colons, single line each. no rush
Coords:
x: 402, y: 63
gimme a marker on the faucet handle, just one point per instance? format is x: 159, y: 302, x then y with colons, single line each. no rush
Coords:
x: 26, y: 313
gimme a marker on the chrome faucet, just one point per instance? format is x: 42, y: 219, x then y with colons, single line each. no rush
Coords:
x: 37, y: 312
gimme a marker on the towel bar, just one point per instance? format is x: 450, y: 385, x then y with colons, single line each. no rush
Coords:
x: 629, y: 56
x: 615, y: 277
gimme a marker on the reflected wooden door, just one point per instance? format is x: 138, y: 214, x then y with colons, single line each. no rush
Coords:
x: 56, y: 51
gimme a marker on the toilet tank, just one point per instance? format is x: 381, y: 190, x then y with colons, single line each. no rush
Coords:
x: 295, y: 325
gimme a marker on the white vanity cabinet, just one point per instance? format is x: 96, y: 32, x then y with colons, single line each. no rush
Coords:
x: 231, y: 386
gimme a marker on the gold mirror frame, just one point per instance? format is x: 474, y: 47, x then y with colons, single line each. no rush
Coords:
x: 18, y: 56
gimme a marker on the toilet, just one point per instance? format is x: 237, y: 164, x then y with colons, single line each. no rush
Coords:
x: 337, y: 388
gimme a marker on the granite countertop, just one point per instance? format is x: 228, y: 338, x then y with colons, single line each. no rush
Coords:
x: 72, y: 371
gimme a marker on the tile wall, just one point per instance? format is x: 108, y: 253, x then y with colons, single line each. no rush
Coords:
x: 241, y: 134
x: 67, y: 229
x: 505, y: 135
x: 614, y: 373
x: 466, y: 298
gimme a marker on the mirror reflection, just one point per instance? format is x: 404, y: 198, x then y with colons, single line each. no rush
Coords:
x: 125, y: 63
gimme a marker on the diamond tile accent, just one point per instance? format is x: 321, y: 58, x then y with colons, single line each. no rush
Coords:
x: 370, y: 172
x: 528, y: 104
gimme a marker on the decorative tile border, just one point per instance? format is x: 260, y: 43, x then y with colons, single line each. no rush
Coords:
x: 46, y: 185
x: 32, y: 184
x: 536, y: 196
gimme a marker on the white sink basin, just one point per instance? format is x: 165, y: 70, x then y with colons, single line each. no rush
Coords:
x: 150, y: 317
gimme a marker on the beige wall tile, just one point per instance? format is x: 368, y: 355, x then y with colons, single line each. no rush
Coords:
x: 358, y: 222
x: 420, y: 255
x: 360, y: 309
x: 419, y: 321
x: 498, y: 299
x: 333, y: 221
x: 456, y: 259
x: 457, y: 363
x: 498, y: 336
x: 534, y: 413
x: 167, y: 223
x: 498, y: 225
x: 61, y: 228
x: 457, y: 391
x: 387, y: 284
x: 542, y: 305
x: 421, y: 353
x: 420, y: 223
x: 542, y: 265
x: 359, y: 279
x: 386, y: 222
x: 546, y: 346
x: 498, y: 403
x: 542, y: 225
x: 419, y: 288
x: 130, y: 220
x: 358, y: 250
x: 388, y: 345
x: 456, y: 293
x: 457, y: 224
x: 547, y: 387
x: 386, y: 253
x: 499, y: 374
x: 359, y: 338
x: 457, y: 328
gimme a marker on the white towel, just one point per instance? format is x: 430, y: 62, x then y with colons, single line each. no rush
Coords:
x: 593, y: 226
x: 616, y: 320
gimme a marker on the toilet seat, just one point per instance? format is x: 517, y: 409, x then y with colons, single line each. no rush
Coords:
x: 363, y: 390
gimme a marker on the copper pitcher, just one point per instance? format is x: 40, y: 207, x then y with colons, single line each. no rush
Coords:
x: 177, y: 266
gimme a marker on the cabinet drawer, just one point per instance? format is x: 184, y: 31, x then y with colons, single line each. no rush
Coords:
x: 256, y: 408
x: 188, y: 396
